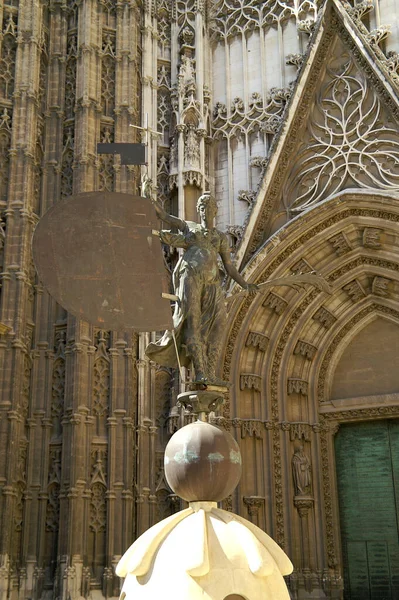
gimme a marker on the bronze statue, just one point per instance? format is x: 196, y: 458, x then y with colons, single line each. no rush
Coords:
x: 200, y: 314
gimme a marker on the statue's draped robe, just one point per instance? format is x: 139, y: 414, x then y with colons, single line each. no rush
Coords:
x: 197, y: 283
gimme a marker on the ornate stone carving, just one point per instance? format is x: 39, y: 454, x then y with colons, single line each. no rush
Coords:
x: 303, y: 504
x: 340, y: 244
x: 297, y: 386
x: 380, y: 286
x: 306, y: 26
x: 247, y: 196
x: 324, y: 317
x: 257, y: 340
x: 58, y: 384
x: 5, y: 143
x: 250, y: 381
x: 374, y: 148
x: 305, y: 349
x: 254, y: 504
x: 230, y: 18
x: 98, y: 486
x: 302, y: 266
x: 266, y: 117
x: 376, y: 36
x: 360, y: 9
x: 250, y: 427
x: 235, y: 231
x: 355, y: 290
x: 101, y: 378
x: 8, y: 55
x: 294, y: 59
x: 275, y: 302
x: 301, y: 471
x: 372, y: 238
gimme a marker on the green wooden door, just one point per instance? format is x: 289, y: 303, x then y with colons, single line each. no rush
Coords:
x: 367, y: 457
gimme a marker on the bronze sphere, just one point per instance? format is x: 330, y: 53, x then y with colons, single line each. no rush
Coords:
x: 202, y: 463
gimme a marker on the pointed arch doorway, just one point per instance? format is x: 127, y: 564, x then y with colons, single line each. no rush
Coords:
x: 367, y: 460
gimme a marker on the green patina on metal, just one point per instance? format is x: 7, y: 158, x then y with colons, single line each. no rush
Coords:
x: 235, y: 457
x: 215, y: 457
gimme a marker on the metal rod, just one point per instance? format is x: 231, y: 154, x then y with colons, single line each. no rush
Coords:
x: 177, y: 354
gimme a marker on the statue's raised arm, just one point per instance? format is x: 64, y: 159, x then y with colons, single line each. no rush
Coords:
x: 167, y: 218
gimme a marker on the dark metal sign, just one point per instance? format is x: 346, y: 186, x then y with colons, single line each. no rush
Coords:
x: 131, y: 154
x: 98, y: 257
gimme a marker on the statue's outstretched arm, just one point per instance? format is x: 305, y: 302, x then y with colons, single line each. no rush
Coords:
x: 234, y: 274
x: 167, y: 218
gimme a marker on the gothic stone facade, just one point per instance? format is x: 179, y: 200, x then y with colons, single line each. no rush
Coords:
x: 289, y: 113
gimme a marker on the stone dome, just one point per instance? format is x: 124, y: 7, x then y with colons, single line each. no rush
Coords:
x: 208, y: 554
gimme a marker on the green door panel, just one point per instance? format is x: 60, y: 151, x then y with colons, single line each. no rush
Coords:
x: 367, y: 458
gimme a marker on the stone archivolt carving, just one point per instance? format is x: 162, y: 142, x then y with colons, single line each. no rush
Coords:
x: 250, y: 427
x: 324, y: 317
x: 302, y: 266
x: 381, y: 286
x: 372, y: 238
x: 348, y: 117
x: 257, y: 340
x: 275, y: 302
x: 305, y: 349
x: 355, y: 290
x: 250, y: 381
x: 340, y: 244
x: 297, y: 386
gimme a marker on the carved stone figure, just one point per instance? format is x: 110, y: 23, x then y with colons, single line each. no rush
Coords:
x: 200, y: 314
x: 301, y: 471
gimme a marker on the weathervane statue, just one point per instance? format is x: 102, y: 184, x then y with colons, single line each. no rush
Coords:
x: 200, y: 312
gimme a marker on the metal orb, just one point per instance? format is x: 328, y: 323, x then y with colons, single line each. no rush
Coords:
x: 202, y: 463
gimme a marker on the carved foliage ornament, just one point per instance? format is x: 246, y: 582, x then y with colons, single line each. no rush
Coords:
x: 349, y: 144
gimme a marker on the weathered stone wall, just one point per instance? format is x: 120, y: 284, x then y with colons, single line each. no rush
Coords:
x: 69, y: 78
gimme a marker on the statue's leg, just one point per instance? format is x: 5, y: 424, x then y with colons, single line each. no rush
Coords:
x: 193, y: 340
x: 215, y: 340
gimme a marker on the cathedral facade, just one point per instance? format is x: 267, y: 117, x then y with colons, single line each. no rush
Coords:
x: 288, y: 112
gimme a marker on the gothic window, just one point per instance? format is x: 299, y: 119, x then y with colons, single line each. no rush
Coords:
x: 58, y: 386
x: 8, y: 56
x: 109, y: 13
x: 73, y: 9
x: 106, y: 161
x: 101, y: 384
x: 164, y: 29
x: 98, y: 512
x: 108, y: 77
x: 5, y: 142
x: 67, y: 161
x: 164, y: 115
x: 70, y: 76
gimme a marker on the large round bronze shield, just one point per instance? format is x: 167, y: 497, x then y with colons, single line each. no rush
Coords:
x: 98, y: 257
